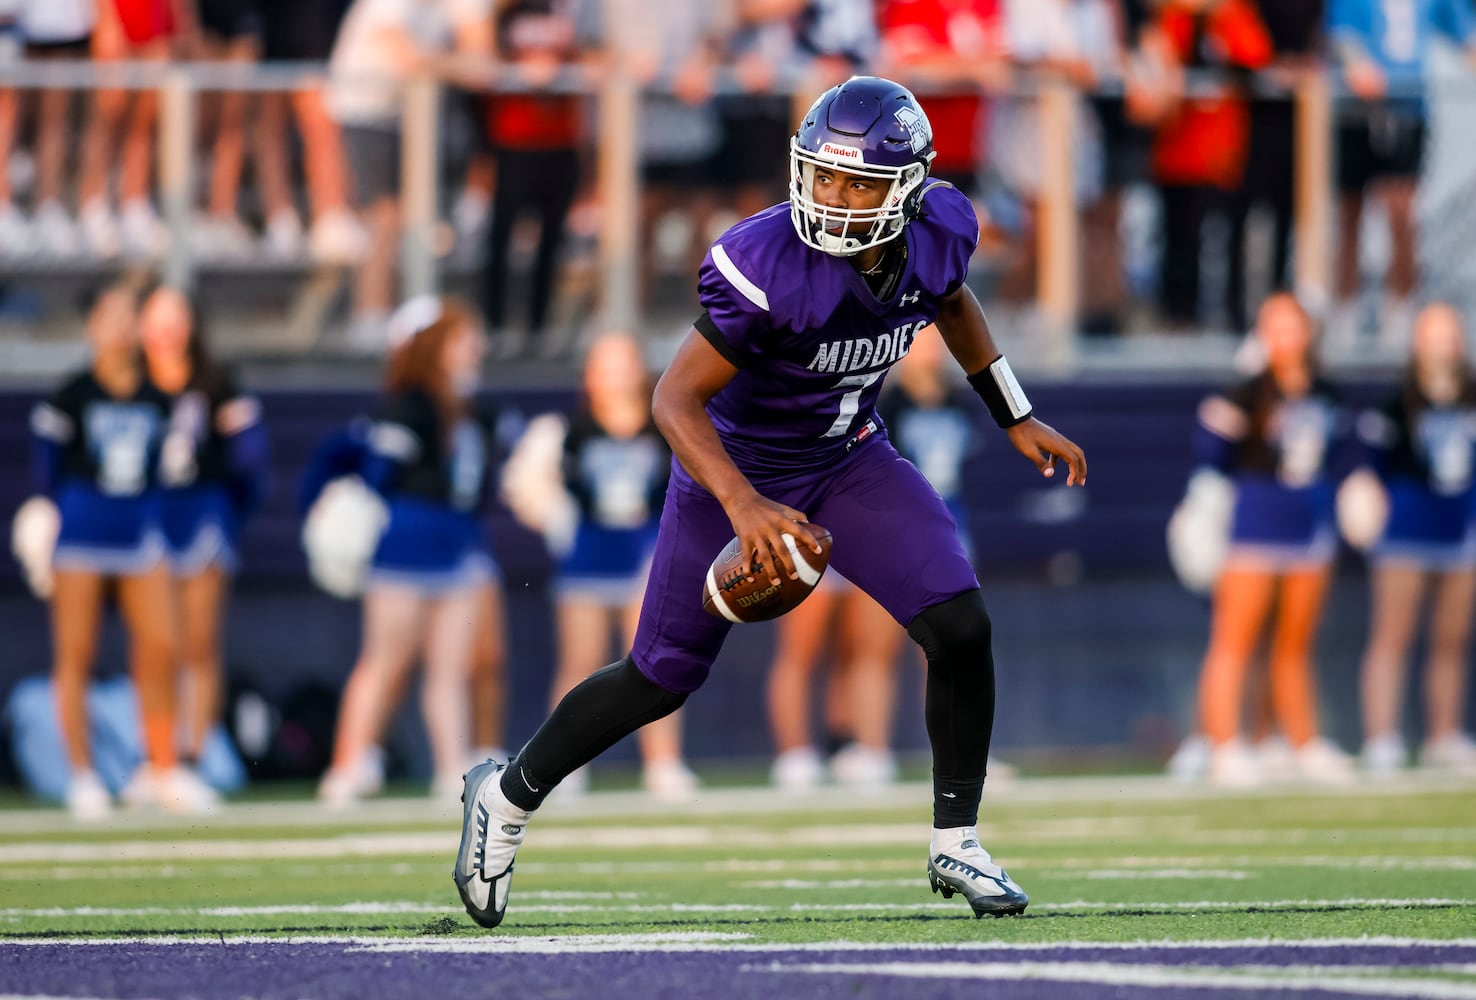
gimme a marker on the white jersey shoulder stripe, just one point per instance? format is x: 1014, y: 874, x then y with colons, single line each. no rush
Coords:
x: 738, y: 279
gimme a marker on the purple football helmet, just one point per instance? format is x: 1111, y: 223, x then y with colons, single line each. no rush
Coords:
x: 872, y: 128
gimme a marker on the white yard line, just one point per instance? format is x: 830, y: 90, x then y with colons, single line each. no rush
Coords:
x: 367, y: 908
x: 1291, y: 980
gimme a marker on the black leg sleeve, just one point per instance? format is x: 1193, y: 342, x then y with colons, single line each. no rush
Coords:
x: 604, y: 708
x: 959, y: 703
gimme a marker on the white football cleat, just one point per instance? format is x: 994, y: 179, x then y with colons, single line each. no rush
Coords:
x: 956, y: 863
x: 798, y: 770
x: 492, y: 829
x: 1384, y: 756
x: 669, y: 780
x: 87, y: 799
x: 1452, y: 752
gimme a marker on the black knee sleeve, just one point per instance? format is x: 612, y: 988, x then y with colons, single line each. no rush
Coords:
x: 959, y: 705
x: 603, y: 709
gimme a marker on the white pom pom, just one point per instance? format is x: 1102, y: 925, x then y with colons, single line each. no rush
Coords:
x: 340, y: 534
x: 33, y: 536
x: 533, y: 483
x: 1199, y: 530
x: 1363, y: 509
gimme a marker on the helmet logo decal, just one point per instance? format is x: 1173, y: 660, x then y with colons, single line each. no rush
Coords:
x: 840, y: 152
x: 916, y: 126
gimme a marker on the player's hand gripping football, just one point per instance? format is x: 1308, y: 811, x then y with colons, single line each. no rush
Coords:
x: 1043, y: 444
x: 761, y: 524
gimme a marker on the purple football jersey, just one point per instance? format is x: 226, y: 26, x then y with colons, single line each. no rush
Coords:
x: 809, y: 338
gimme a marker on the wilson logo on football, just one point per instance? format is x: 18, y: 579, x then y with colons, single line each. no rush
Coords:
x: 849, y: 153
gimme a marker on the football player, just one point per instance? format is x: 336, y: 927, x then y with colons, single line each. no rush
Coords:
x: 769, y: 408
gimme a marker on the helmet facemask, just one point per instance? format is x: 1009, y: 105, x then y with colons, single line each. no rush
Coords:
x: 831, y: 229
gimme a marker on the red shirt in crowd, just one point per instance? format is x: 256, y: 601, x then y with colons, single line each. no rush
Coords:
x: 1205, y: 141
x: 529, y: 30
x: 920, y: 29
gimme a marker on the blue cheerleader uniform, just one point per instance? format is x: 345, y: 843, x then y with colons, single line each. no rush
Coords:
x: 433, y: 480
x: 96, y: 457
x: 213, y: 467
x: 618, y: 484
x: 1425, y: 455
x: 1276, y: 451
x: 939, y: 440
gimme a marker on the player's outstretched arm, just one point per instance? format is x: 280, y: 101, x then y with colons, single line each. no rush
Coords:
x: 679, y: 407
x: 965, y: 331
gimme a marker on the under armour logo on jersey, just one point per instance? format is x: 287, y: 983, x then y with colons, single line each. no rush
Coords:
x: 909, y: 298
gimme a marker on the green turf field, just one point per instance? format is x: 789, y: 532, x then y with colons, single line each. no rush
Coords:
x: 1104, y: 860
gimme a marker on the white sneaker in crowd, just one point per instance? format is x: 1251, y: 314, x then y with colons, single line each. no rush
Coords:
x: 1322, y: 761
x: 144, y: 234
x: 17, y: 239
x: 181, y: 789
x: 470, y: 215
x: 798, y: 770
x: 1233, y: 765
x: 338, y: 238
x: 574, y: 787
x: 1275, y: 756
x: 1454, y: 751
x: 1384, y: 755
x: 56, y: 231
x: 284, y: 239
x: 1190, y: 762
x: 223, y: 238
x: 341, y: 787
x: 87, y: 799
x: 669, y: 780
x: 858, y: 766
x: 100, y: 229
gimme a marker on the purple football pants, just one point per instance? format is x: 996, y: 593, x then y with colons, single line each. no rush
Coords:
x: 894, y: 538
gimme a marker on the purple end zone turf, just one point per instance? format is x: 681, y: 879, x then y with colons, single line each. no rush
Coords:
x: 230, y: 971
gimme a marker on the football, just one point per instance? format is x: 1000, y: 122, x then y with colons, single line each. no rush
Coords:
x: 729, y: 594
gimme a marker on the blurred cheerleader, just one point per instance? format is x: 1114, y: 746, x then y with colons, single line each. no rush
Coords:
x: 213, y: 470
x: 428, y: 457
x: 1420, y: 444
x: 1272, y: 435
x: 97, y: 450
x: 598, y: 506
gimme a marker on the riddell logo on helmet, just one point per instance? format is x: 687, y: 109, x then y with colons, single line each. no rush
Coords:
x: 841, y: 152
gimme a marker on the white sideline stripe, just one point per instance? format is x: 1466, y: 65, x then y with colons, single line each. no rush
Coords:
x: 14, y: 914
x: 1135, y: 874
x: 739, y: 280
x: 718, y: 600
x: 1108, y: 973
x: 1161, y: 873
x: 706, y: 941
x: 808, y: 574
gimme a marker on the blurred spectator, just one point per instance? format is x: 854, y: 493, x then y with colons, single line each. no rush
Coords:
x: 1295, y: 30
x: 1077, y: 42
x: 1272, y: 435
x: 15, y: 235
x: 428, y: 456
x: 53, y: 30
x: 304, y: 31
x: 231, y: 32
x: 213, y: 470
x: 382, y: 44
x: 1199, y: 152
x: 674, y: 46
x: 536, y: 138
x: 97, y: 442
x: 948, y: 50
x: 833, y: 622
x: 1422, y: 444
x: 774, y: 46
x: 610, y: 482
x: 136, y: 30
x: 1382, y: 48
